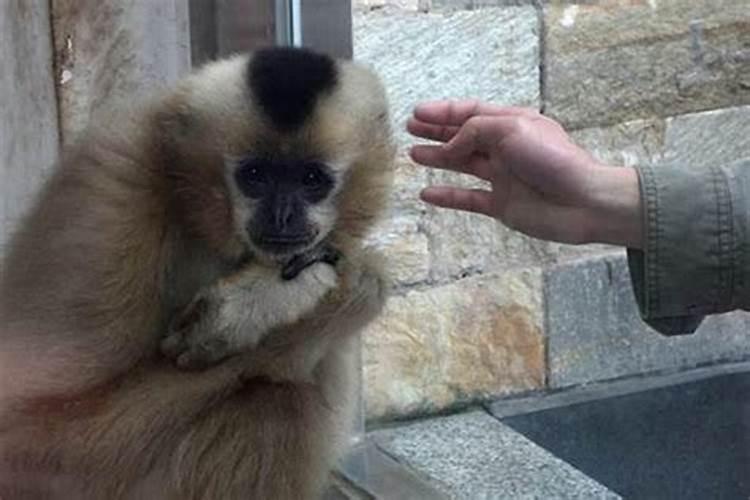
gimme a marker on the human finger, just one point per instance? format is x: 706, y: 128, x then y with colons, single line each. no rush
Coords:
x: 469, y: 200
x: 456, y: 113
x: 442, y: 133
x: 480, y: 135
x: 435, y: 156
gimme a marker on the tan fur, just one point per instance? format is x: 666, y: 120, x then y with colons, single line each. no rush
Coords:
x: 239, y: 311
x: 134, y: 222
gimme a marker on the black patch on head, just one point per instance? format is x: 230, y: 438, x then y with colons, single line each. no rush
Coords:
x: 287, y: 82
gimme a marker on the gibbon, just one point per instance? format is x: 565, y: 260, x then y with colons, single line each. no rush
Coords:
x: 178, y: 310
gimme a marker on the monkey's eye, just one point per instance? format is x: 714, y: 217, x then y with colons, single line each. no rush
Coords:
x: 313, y: 177
x: 251, y: 173
x: 317, y: 181
x: 252, y: 179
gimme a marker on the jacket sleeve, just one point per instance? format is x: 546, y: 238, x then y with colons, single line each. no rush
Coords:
x: 696, y: 255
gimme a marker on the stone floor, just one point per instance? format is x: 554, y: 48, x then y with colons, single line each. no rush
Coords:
x: 684, y: 435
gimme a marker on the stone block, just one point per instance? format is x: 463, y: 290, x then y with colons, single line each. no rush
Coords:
x: 399, y: 234
x: 463, y: 243
x: 409, y: 5
x: 594, y: 331
x: 609, y: 62
x: 492, y: 54
x: 406, y: 249
x: 108, y: 52
x: 480, y: 4
x: 28, y: 124
x: 712, y: 138
x: 475, y: 456
x: 473, y: 339
x: 409, y: 180
x: 625, y: 144
x: 692, y: 140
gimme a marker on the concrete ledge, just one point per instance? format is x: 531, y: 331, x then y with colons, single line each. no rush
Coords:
x: 474, y: 456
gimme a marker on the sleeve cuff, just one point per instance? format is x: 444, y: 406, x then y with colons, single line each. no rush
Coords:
x: 686, y: 268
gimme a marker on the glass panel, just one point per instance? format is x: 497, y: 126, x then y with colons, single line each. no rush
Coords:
x: 222, y: 27
x: 327, y: 26
x: 510, y: 366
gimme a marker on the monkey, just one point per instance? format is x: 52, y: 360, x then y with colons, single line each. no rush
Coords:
x: 179, y: 308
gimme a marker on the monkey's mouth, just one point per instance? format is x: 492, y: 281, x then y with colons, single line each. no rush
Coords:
x: 284, y: 245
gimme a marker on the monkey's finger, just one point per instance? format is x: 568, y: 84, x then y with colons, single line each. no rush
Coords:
x: 442, y: 133
x: 330, y: 255
x: 191, y: 314
x: 173, y: 345
x: 470, y: 200
x: 324, y: 253
x: 202, y: 354
x: 477, y: 165
x: 456, y: 113
x: 296, y: 265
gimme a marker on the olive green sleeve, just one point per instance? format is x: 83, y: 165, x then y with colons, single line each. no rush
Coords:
x: 696, y: 245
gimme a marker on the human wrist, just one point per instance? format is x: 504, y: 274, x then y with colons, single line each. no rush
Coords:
x: 615, y: 209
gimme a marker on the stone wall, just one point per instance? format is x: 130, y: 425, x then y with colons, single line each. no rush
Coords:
x: 479, y: 312
x: 28, y: 120
x: 108, y: 53
x: 65, y: 60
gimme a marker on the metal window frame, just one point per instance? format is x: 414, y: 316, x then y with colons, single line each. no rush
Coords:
x: 219, y: 28
x: 323, y: 25
x: 289, y: 23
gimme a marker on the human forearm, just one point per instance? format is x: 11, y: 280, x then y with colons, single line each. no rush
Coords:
x: 614, y: 212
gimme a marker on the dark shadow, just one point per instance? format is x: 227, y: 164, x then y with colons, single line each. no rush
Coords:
x: 684, y: 441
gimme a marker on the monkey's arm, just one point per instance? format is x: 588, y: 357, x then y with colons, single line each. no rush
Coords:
x: 236, y: 313
x: 295, y: 351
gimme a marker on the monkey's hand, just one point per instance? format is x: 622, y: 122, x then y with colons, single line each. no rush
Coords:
x: 322, y: 253
x: 234, y: 315
x: 294, y: 353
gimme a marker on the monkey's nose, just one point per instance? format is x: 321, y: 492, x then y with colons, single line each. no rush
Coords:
x: 284, y: 216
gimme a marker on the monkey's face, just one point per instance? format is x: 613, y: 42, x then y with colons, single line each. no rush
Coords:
x: 275, y: 151
x: 282, y: 207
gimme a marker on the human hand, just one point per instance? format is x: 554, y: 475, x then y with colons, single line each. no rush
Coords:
x: 542, y: 183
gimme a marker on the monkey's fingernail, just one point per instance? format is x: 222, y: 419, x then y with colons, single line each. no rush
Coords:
x: 183, y: 360
x: 169, y: 344
x: 331, y: 256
